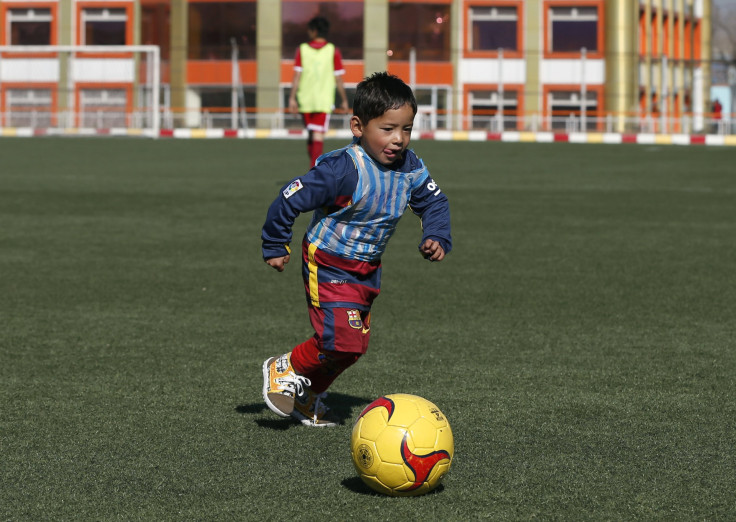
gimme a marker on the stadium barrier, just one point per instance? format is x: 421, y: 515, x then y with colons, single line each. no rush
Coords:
x: 439, y: 135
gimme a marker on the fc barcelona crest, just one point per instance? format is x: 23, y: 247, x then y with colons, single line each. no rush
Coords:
x: 354, y: 319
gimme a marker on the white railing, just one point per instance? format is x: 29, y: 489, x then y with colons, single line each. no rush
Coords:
x: 140, y: 119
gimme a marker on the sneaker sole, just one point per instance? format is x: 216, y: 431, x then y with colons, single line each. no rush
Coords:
x: 307, y: 421
x: 278, y: 403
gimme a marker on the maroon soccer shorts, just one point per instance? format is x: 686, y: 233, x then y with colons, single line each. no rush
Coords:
x: 341, y: 329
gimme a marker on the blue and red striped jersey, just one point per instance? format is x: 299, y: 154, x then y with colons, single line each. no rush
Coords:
x: 357, y: 204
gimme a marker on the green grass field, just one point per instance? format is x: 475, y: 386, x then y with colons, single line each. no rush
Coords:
x: 581, y: 337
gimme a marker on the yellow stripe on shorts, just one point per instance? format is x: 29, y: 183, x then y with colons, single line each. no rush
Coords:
x: 313, y: 283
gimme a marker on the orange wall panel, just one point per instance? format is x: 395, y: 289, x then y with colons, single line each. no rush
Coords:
x: 432, y: 73
x: 219, y: 72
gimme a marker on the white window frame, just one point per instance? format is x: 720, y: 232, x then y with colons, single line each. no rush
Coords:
x: 29, y: 99
x: 101, y: 14
x: 26, y: 14
x: 583, y: 13
x: 567, y: 99
x: 104, y: 106
x: 107, y: 98
x: 573, y: 98
x: 490, y: 13
x: 501, y: 101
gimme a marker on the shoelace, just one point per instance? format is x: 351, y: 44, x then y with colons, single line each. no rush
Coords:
x: 296, y: 382
x: 318, y: 406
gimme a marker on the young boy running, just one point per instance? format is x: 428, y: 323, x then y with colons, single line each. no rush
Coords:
x: 357, y: 193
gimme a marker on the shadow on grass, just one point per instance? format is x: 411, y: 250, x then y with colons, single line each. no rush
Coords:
x: 356, y: 485
x: 342, y: 407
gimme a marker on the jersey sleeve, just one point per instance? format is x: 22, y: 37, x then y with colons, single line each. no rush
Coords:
x: 298, y: 60
x: 339, y: 69
x: 328, y: 184
x: 432, y: 206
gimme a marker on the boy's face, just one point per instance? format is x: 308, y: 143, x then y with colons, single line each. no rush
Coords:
x: 385, y: 138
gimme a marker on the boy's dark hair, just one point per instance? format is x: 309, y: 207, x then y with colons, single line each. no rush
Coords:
x: 379, y: 93
x: 320, y: 25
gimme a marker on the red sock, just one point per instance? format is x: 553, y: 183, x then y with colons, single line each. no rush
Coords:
x: 315, y: 150
x: 321, y: 367
x: 310, y: 149
x: 305, y: 356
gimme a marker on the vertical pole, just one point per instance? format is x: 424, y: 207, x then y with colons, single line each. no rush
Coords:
x: 680, y: 64
x: 375, y: 36
x: 413, y: 68
x: 155, y: 90
x: 65, y: 100
x: 665, y: 95
x: 234, y: 73
x: 705, y: 55
x: 583, y: 89
x: 268, y: 59
x: 499, y: 112
x: 623, y: 49
x: 455, y: 100
x: 178, y: 60
x: 648, y: 52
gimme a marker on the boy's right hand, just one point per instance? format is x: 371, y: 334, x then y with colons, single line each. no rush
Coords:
x: 278, y: 262
x: 293, y: 105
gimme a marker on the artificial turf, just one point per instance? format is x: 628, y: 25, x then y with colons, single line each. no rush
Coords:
x: 580, y: 337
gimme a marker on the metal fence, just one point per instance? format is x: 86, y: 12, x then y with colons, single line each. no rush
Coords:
x: 425, y: 121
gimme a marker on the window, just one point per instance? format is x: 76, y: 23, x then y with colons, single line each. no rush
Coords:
x: 565, y: 109
x: 216, y: 104
x: 492, y: 28
x: 572, y: 28
x: 346, y: 26
x: 155, y: 23
x: 28, y: 108
x: 103, y: 108
x: 221, y: 98
x: 484, y: 107
x: 214, y: 27
x: 104, y: 26
x: 425, y: 27
x: 29, y: 26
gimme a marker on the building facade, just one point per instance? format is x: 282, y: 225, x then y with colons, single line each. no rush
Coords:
x: 498, y: 65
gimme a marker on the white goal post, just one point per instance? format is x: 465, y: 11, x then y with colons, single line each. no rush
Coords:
x: 85, y: 88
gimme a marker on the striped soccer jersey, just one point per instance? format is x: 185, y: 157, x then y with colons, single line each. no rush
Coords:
x: 357, y: 204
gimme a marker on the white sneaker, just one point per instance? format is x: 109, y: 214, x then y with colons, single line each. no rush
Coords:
x: 281, y: 384
x: 309, y: 409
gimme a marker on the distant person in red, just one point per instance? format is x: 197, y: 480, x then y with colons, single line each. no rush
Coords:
x: 717, y: 113
x: 318, y: 71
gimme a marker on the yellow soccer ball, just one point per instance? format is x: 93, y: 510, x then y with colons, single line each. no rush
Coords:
x: 402, y: 445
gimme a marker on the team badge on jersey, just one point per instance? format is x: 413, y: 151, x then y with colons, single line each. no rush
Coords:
x: 294, y: 187
x: 354, y: 319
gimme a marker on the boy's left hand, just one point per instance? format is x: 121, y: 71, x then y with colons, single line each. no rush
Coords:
x: 432, y: 250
